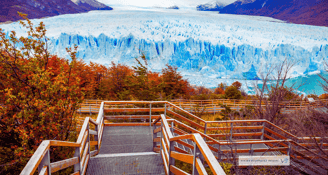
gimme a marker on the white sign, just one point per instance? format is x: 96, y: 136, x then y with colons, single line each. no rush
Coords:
x: 264, y: 160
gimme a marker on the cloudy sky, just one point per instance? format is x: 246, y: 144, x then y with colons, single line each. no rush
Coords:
x: 162, y: 3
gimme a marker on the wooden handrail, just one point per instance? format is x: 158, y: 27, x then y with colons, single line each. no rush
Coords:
x: 83, y: 142
x: 167, y: 154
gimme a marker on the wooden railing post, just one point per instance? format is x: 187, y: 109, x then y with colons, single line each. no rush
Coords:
x: 96, y: 138
x: 171, y: 160
x: 289, y: 148
x: 165, y: 109
x: 88, y: 138
x: 196, y: 155
x: 150, y: 115
x: 251, y: 151
x: 205, y: 128
x: 154, y: 136
x: 262, y: 136
x: 77, y: 167
x: 45, y: 162
x: 231, y: 131
x: 90, y: 110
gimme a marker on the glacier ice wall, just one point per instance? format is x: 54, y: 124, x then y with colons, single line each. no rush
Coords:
x: 207, y: 47
x: 236, y: 62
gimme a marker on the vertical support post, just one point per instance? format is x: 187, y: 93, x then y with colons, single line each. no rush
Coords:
x: 88, y: 138
x: 289, y: 148
x: 96, y: 138
x: 251, y: 151
x: 90, y: 109
x: 213, y: 107
x: 45, y: 162
x: 231, y: 130
x: 171, y: 160
x: 150, y: 115
x: 154, y: 136
x: 165, y: 109
x: 77, y: 167
x: 196, y: 155
x: 219, y: 153
x: 205, y: 127
x: 262, y: 136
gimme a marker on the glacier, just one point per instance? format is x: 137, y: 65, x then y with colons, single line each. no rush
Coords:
x: 208, y: 48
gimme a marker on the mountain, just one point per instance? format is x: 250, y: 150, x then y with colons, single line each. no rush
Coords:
x: 211, y: 6
x: 46, y: 8
x: 312, y: 12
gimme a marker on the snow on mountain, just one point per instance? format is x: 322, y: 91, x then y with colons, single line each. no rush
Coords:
x: 207, y: 48
x: 211, y: 6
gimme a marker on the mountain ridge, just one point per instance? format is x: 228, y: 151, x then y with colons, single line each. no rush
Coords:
x: 46, y: 8
x: 311, y: 12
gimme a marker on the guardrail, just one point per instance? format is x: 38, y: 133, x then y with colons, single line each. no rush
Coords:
x: 41, y: 157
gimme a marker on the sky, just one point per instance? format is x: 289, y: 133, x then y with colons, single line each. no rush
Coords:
x: 161, y: 3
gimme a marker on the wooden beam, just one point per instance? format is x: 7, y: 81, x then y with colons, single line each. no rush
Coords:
x: 274, y: 133
x: 56, y: 166
x: 200, y: 167
x: 187, y: 136
x: 44, y: 171
x: 84, y: 170
x: 182, y: 157
x: 236, y: 134
x: 180, y: 150
x: 192, y: 123
x: 185, y: 144
x: 208, y: 155
x: 126, y: 124
x: 93, y: 143
x: 175, y: 170
x: 157, y: 130
x: 93, y: 132
x: 133, y: 110
x: 157, y: 139
x: 234, y: 128
x: 64, y: 143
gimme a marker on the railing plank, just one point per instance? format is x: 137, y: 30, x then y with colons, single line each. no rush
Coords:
x: 83, y: 129
x: 165, y: 149
x: 200, y: 167
x: 157, y: 130
x: 56, y: 166
x: 236, y: 134
x: 85, y: 165
x: 133, y: 109
x: 93, y: 132
x: 167, y: 127
x: 157, y: 139
x: 44, y: 171
x: 274, y: 133
x: 180, y: 150
x: 85, y: 153
x: 194, y: 116
x: 192, y: 123
x: 165, y: 163
x: 94, y: 152
x: 83, y: 141
x: 182, y: 157
x: 187, y: 136
x: 234, y: 128
x: 64, y: 143
x: 185, y: 144
x: 35, y: 160
x: 93, y: 143
x: 177, y: 171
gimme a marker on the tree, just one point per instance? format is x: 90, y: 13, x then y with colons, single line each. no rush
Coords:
x: 39, y: 94
x: 174, y: 86
x: 232, y: 92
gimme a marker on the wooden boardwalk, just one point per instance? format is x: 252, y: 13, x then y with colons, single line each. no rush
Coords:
x: 161, y: 132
